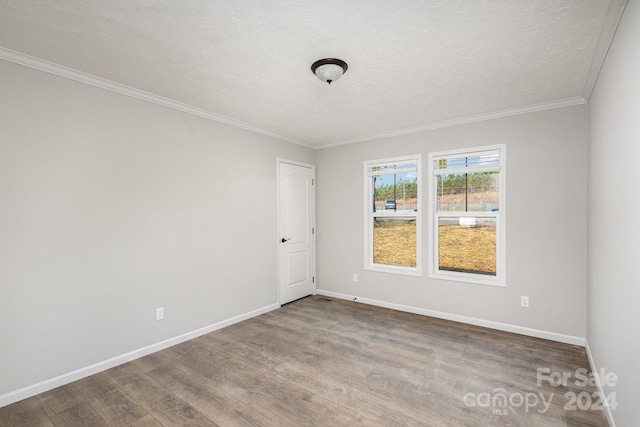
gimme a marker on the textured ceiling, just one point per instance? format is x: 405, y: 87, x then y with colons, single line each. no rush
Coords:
x: 412, y: 64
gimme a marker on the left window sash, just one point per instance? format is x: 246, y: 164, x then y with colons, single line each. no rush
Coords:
x: 393, y: 215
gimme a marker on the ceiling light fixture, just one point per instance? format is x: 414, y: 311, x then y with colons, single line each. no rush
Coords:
x: 329, y: 69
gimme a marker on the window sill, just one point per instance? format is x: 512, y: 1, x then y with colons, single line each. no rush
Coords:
x: 476, y: 279
x: 405, y: 271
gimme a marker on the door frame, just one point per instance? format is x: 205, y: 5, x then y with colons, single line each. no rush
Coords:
x: 280, y: 161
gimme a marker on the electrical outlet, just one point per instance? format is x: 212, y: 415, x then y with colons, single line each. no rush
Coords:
x: 159, y: 313
x: 355, y: 277
x: 524, y: 301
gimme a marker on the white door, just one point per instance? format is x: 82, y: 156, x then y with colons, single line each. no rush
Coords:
x: 296, y: 222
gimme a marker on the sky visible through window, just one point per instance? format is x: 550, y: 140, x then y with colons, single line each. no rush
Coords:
x: 384, y: 180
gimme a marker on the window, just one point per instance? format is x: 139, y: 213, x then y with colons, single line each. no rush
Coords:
x: 467, y: 216
x: 392, y: 215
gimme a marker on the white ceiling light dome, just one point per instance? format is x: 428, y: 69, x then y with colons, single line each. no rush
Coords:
x: 329, y: 69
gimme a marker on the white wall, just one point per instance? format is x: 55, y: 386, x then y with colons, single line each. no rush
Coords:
x: 110, y: 207
x: 546, y: 223
x: 614, y: 203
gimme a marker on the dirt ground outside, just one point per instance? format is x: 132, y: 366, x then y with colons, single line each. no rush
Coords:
x: 394, y: 243
x: 465, y: 249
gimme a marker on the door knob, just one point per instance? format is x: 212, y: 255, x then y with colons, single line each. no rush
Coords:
x: 285, y: 240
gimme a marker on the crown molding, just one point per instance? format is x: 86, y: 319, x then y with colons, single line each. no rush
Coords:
x: 568, y: 102
x: 611, y: 22
x: 59, y: 70
x: 62, y: 71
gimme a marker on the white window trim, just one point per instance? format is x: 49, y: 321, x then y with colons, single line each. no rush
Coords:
x: 368, y: 219
x: 434, y: 272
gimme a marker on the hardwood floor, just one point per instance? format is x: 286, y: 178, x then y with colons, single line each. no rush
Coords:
x: 324, y: 362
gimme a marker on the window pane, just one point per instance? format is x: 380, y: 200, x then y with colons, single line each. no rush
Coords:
x: 467, y: 245
x: 487, y: 159
x: 394, y: 241
x: 395, y: 192
x: 468, y: 192
x: 392, y: 167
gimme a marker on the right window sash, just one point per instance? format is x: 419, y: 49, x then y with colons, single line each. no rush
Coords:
x: 467, y: 216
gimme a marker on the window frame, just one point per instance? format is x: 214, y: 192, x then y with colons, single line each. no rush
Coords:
x: 500, y: 216
x: 369, y: 217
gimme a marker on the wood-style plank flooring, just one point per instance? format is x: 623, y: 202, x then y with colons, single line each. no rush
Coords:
x: 324, y: 362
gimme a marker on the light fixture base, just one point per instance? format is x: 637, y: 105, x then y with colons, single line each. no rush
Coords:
x: 329, y: 69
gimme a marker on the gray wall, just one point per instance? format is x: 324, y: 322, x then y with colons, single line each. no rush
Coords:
x: 546, y: 223
x: 110, y: 207
x: 614, y: 203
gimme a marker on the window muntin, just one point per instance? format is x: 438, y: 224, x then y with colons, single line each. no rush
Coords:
x: 392, y: 215
x: 467, y: 217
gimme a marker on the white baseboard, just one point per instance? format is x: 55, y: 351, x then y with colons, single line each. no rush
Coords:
x: 50, y: 384
x: 553, y: 336
x: 596, y: 374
